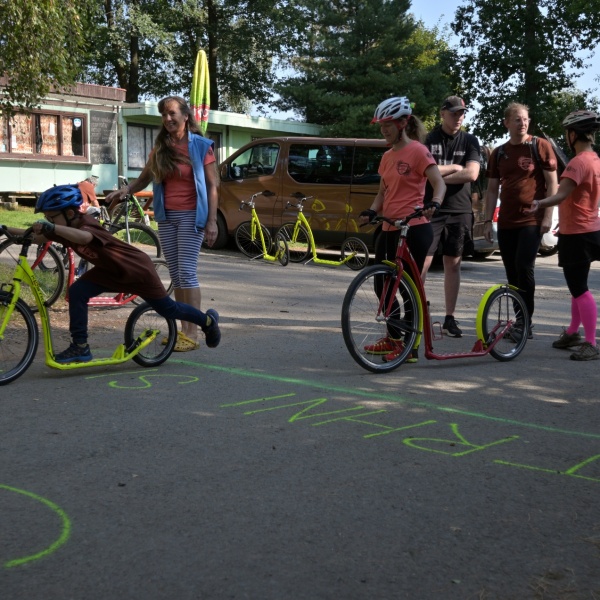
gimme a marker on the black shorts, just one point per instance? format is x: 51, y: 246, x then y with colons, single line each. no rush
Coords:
x: 578, y: 248
x: 454, y: 231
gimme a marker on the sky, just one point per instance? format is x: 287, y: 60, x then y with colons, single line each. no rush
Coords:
x: 441, y: 12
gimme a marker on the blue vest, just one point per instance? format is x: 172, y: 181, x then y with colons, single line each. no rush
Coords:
x: 198, y: 146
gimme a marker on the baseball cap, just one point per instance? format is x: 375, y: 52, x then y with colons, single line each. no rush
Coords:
x: 454, y: 104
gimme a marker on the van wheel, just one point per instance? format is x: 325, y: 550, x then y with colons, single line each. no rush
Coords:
x: 222, y: 235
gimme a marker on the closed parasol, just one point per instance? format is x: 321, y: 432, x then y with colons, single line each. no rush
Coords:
x: 200, y: 94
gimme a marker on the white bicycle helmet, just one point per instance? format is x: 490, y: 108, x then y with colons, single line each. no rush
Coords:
x: 584, y: 121
x: 392, y: 109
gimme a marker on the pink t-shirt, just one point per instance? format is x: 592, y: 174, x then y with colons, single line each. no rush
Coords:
x: 403, y: 175
x: 579, y: 212
x: 180, y: 189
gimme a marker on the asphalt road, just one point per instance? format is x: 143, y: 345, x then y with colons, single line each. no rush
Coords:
x: 273, y: 467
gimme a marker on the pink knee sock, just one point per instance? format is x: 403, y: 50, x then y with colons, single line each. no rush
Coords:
x: 588, y: 312
x: 575, y: 318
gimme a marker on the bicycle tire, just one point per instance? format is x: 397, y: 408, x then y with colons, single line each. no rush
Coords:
x: 144, y: 317
x: 503, y: 305
x: 49, y: 271
x: 135, y: 214
x: 251, y: 245
x: 19, y: 341
x: 363, y: 324
x: 282, y: 250
x: 297, y: 239
x: 356, y: 246
x: 141, y: 236
x: 160, y: 264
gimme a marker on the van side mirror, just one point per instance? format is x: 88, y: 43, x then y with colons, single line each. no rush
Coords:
x: 224, y: 172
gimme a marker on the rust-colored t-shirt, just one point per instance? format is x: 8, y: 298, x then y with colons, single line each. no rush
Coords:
x: 521, y: 180
x: 118, y: 266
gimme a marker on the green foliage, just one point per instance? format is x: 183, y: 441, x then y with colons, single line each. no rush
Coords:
x: 149, y: 47
x: 353, y: 54
x: 523, y: 50
x: 40, y: 44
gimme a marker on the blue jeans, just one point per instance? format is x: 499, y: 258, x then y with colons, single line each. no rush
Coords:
x: 82, y: 290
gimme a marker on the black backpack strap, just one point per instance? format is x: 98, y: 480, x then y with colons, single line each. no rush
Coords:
x: 536, y: 151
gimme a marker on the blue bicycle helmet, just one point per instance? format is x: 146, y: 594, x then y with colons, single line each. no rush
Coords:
x: 60, y: 198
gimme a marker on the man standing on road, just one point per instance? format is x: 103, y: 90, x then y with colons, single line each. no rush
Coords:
x: 520, y: 171
x: 458, y: 156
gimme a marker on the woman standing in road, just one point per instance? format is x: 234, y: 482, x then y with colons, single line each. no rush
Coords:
x: 404, y: 170
x: 182, y: 169
x: 579, y: 238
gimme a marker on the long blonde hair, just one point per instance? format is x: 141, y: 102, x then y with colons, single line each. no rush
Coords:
x: 415, y: 129
x: 165, y: 160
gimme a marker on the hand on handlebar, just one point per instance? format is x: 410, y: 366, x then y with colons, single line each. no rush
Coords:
x: 430, y: 209
x: 366, y: 216
x: 43, y: 227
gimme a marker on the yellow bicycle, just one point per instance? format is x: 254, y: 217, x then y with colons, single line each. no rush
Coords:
x: 254, y: 239
x: 145, y: 330
x: 301, y: 242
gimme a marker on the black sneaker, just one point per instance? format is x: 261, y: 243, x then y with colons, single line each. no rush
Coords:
x: 451, y: 328
x: 74, y: 353
x: 212, y: 332
x: 516, y: 333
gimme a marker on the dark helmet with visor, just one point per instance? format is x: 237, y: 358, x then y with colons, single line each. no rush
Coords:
x: 582, y: 121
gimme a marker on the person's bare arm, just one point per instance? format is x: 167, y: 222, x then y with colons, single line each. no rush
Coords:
x: 138, y: 185
x: 564, y: 189
x: 551, y: 189
x: 376, y: 205
x: 212, y: 192
x: 72, y: 234
x: 491, y: 199
x: 439, y: 188
x: 466, y: 174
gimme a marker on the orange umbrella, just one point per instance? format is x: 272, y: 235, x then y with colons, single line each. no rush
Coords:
x: 200, y: 95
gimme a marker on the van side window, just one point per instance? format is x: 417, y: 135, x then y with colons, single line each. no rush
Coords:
x: 366, y: 164
x: 255, y: 162
x: 315, y: 163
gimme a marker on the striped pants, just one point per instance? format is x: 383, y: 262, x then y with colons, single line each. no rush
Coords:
x: 181, y: 242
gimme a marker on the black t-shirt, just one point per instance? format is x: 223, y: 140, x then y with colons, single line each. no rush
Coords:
x: 456, y: 149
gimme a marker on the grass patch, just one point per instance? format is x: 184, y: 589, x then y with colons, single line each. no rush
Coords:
x: 23, y: 217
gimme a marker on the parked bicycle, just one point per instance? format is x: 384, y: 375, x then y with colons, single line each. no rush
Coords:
x: 149, y: 338
x: 385, y: 312
x: 301, y: 242
x: 254, y: 240
x: 129, y: 209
